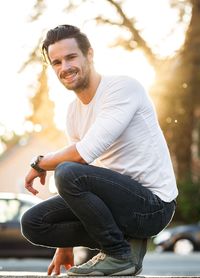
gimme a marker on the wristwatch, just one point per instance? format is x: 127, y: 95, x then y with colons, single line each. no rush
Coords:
x: 35, y: 162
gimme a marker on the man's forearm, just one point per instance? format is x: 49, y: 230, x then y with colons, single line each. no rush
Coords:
x: 51, y: 160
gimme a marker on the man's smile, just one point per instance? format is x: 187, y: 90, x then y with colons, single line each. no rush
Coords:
x: 69, y: 75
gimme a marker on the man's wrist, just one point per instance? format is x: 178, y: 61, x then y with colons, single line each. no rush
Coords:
x: 35, y: 164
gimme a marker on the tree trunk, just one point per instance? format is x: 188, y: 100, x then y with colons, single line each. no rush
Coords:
x: 187, y: 96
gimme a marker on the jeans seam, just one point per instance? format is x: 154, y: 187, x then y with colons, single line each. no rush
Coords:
x: 149, y: 213
x: 49, y: 213
x: 111, y: 182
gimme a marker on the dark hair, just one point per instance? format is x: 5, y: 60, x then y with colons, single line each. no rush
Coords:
x: 65, y: 32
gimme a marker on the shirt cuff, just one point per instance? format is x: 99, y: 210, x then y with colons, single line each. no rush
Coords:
x: 84, y: 153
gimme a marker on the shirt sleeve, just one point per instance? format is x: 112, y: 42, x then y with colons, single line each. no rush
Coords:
x: 120, y: 103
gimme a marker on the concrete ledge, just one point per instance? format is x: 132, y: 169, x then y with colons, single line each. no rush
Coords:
x: 20, y: 274
x: 12, y: 274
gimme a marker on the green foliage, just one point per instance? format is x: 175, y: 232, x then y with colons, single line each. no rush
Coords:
x: 188, y: 204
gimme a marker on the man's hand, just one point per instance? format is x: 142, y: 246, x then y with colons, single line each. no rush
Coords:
x: 31, y: 176
x: 62, y: 257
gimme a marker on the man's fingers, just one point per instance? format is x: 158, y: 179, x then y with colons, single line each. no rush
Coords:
x: 32, y: 175
x: 67, y: 266
x: 50, y: 269
x: 42, y: 179
x: 30, y: 188
x: 33, y: 191
x: 55, y: 269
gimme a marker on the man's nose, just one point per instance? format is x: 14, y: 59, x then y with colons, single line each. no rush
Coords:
x: 65, y: 65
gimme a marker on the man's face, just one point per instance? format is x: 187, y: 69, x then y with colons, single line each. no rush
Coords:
x: 70, y: 65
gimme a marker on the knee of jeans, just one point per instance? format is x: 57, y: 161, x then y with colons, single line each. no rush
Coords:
x: 64, y: 173
x: 28, y: 226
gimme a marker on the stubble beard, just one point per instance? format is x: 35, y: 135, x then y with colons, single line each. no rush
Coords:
x: 82, y: 83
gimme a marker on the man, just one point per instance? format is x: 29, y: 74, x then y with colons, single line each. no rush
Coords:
x: 115, y: 181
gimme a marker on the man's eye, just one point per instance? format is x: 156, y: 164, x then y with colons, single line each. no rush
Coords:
x: 54, y: 63
x: 72, y: 57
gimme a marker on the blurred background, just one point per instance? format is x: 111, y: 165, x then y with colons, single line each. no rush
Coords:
x: 156, y: 42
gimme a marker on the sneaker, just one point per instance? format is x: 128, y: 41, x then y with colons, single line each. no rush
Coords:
x: 103, y: 264
x: 138, y: 251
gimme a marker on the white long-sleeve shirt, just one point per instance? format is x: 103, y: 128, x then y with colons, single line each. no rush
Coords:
x: 119, y: 130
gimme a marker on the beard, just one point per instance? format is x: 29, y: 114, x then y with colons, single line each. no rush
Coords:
x: 81, y: 81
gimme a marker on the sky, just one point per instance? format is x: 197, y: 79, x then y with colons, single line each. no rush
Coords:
x: 20, y: 36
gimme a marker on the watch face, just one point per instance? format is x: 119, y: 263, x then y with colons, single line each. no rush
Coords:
x: 33, y: 160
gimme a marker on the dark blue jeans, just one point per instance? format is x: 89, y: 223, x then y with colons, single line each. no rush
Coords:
x: 97, y: 208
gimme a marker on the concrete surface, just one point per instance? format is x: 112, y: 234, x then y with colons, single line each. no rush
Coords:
x: 12, y: 274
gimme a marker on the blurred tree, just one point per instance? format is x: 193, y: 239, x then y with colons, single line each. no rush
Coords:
x: 180, y: 117
x: 43, y: 107
x: 183, y: 105
x: 8, y: 139
x: 42, y: 116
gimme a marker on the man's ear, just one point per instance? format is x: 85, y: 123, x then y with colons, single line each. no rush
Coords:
x: 90, y: 55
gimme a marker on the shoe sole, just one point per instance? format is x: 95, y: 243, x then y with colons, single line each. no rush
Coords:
x: 94, y: 273
x: 129, y: 271
x: 138, y: 272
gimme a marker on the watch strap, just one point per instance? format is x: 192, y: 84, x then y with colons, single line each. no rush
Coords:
x: 35, y: 163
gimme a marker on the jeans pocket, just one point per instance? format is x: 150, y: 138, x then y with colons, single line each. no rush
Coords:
x: 143, y: 225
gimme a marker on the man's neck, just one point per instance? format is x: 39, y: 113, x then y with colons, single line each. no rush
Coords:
x: 87, y: 94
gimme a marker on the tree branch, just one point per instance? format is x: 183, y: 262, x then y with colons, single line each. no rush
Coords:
x: 33, y: 57
x: 126, y: 22
x: 38, y: 10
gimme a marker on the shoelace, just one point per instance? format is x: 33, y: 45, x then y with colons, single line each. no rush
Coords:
x: 99, y: 257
